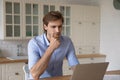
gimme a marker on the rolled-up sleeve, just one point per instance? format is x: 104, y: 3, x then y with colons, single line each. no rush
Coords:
x: 71, y: 57
x: 33, y: 54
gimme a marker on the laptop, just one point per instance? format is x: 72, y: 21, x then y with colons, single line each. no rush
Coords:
x: 91, y: 71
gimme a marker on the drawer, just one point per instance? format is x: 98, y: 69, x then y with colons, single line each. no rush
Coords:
x: 14, y: 76
x: 14, y: 67
x: 66, y: 70
x: 85, y: 60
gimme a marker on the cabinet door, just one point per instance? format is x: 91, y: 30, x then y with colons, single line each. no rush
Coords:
x: 86, y: 25
x: 66, y: 68
x: 99, y: 59
x: 14, y: 71
x: 3, y: 72
x: 0, y: 72
x: 31, y: 17
x: 15, y: 76
x: 85, y: 60
x: 47, y: 8
x: 13, y: 19
x: 91, y: 60
x: 66, y: 12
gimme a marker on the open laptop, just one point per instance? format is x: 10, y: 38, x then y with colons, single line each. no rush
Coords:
x: 91, y: 71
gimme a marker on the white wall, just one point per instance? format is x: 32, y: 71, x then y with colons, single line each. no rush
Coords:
x: 110, y: 34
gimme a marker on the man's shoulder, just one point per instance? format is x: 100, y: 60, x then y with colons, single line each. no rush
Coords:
x: 65, y: 38
x: 37, y: 38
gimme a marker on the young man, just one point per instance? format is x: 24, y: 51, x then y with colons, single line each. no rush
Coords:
x: 47, y: 51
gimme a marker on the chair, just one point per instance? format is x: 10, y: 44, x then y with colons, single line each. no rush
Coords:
x: 26, y: 71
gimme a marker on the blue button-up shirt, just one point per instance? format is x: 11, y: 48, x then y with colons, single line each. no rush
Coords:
x: 37, y: 47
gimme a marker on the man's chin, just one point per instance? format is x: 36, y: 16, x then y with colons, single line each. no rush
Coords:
x: 57, y: 37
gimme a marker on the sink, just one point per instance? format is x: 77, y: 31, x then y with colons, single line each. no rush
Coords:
x: 17, y: 57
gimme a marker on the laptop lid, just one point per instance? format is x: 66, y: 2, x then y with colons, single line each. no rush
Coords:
x: 91, y: 71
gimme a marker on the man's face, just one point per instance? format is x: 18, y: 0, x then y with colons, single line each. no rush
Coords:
x: 54, y: 29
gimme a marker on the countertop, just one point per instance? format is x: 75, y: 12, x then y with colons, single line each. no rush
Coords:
x: 93, y: 55
x: 113, y: 72
x: 5, y: 60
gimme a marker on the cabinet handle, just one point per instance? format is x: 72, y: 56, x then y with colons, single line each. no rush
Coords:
x: 17, y: 73
x: 92, y: 58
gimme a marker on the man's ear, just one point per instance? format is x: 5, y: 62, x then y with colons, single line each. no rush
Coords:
x: 45, y: 27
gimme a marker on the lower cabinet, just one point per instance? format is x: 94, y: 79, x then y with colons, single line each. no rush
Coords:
x: 0, y: 72
x: 66, y: 68
x: 12, y: 71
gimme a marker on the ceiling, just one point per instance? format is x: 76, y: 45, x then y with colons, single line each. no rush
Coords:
x: 83, y: 2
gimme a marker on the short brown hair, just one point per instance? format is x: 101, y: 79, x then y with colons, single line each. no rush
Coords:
x: 52, y: 16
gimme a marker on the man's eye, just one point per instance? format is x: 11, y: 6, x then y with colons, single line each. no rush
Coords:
x: 53, y: 26
x: 60, y: 26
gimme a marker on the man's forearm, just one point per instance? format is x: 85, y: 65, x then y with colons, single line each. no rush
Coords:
x: 42, y: 64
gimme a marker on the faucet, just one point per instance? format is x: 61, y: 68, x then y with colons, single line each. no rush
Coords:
x: 18, y: 49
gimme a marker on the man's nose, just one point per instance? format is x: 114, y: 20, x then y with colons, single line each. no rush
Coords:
x: 57, y: 29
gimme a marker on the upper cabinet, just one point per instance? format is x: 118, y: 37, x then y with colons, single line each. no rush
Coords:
x: 23, y: 19
x: 66, y: 12
x: 31, y: 19
x: 10, y: 19
x: 19, y: 19
x: 85, y: 28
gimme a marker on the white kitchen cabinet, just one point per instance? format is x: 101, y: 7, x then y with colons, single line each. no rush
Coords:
x: 0, y: 72
x: 19, y: 19
x: 47, y: 8
x: 3, y: 75
x: 23, y: 19
x: 91, y: 60
x: 10, y: 19
x: 66, y: 67
x: 31, y: 19
x: 66, y: 12
x: 85, y: 30
x: 12, y: 71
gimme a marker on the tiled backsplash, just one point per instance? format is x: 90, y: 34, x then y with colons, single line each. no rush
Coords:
x: 9, y: 47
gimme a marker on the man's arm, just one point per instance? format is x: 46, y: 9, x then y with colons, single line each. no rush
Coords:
x: 71, y: 56
x: 42, y: 64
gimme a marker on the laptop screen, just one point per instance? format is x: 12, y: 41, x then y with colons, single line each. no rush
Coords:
x: 91, y: 71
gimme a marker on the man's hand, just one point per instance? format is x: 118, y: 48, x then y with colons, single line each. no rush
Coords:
x: 54, y: 41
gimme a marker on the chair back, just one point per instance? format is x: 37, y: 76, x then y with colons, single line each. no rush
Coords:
x: 26, y: 71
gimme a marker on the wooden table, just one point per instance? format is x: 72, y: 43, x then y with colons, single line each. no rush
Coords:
x: 67, y: 77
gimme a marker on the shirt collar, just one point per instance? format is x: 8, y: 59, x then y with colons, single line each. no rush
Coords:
x: 46, y: 40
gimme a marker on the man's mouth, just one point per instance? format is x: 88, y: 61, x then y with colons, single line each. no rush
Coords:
x: 57, y: 35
